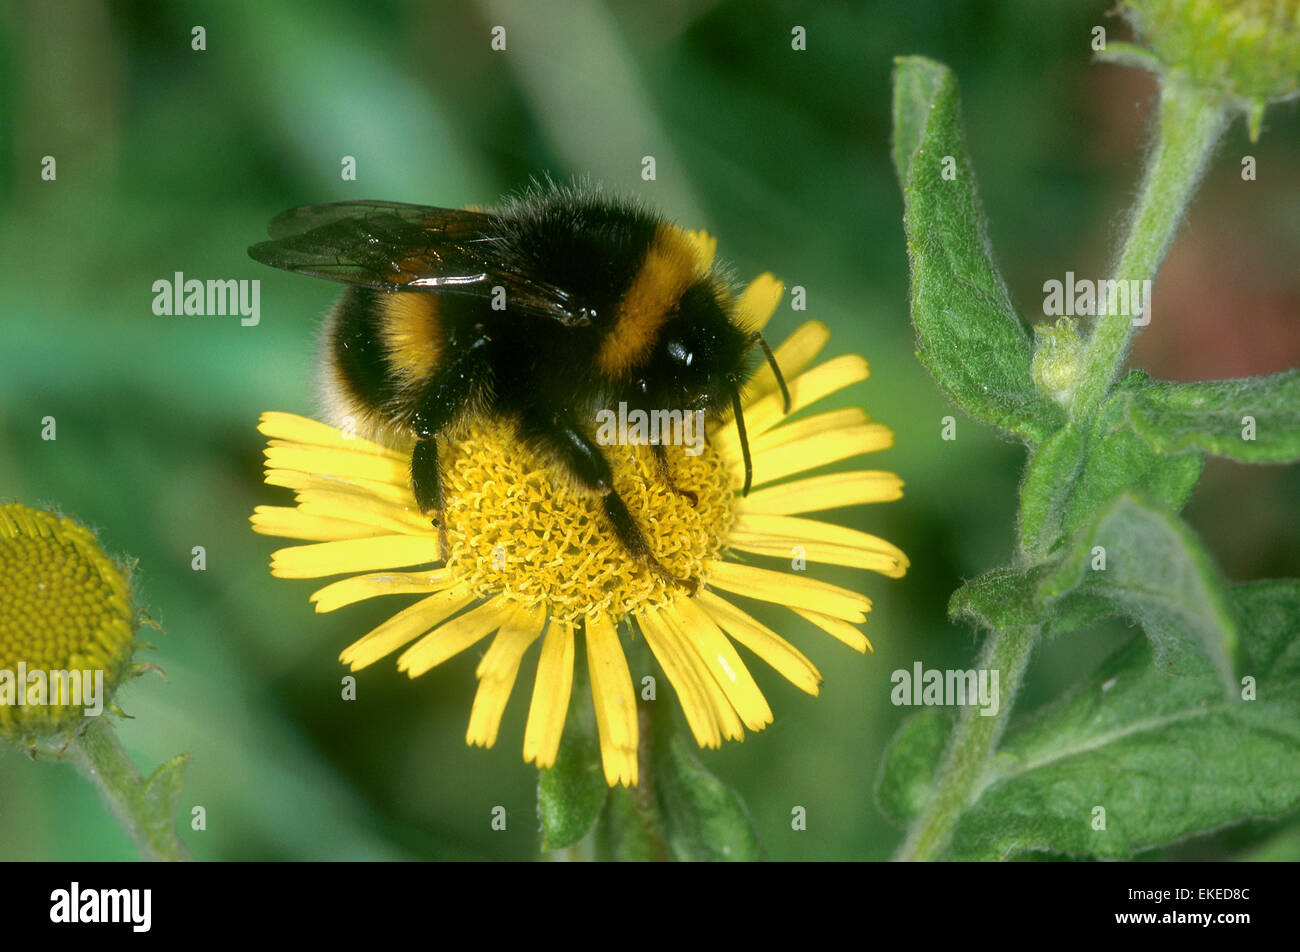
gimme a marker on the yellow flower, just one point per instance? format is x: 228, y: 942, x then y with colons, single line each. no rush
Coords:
x: 531, y: 558
x: 66, y: 621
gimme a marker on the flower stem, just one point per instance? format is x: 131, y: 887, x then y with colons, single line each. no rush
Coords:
x: 957, y: 783
x: 647, y: 839
x: 644, y: 796
x: 143, y: 812
x: 1191, y: 122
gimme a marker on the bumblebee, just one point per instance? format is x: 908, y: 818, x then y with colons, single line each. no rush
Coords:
x: 559, y: 304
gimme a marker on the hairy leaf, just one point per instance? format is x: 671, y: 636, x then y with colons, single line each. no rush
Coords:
x: 1164, y: 757
x: 1045, y: 491
x: 910, y: 763
x: 705, y: 819
x: 571, y: 794
x: 1002, y: 598
x: 1148, y: 564
x: 1253, y: 419
x: 969, y: 335
x: 1070, y: 478
x: 160, y: 796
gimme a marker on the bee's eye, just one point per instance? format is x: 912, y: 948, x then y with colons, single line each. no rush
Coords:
x: 679, y: 352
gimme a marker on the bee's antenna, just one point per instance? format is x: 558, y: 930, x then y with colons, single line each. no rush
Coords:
x: 744, y: 437
x: 776, y: 369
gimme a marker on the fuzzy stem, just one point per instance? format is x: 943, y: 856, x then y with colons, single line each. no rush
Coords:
x: 957, y: 783
x: 1191, y: 122
x: 100, y: 756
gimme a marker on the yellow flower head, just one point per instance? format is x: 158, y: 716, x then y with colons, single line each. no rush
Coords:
x: 533, y: 558
x: 65, y: 611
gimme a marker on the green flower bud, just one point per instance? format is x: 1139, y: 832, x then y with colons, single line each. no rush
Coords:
x: 1058, y: 359
x: 1249, y: 50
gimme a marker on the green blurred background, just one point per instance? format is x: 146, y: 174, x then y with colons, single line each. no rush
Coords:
x: 173, y: 160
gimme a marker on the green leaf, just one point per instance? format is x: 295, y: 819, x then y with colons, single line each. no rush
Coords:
x: 1045, y: 492
x: 571, y: 793
x: 161, y: 793
x: 703, y: 817
x: 1008, y: 598
x: 1079, y: 609
x: 1119, y: 460
x: 1253, y: 419
x: 630, y: 830
x: 1070, y: 478
x: 1002, y: 598
x: 969, y: 335
x: 1166, y: 757
x: 917, y: 83
x: 1270, y: 613
x: 910, y: 763
x: 1144, y: 561
x: 159, y: 797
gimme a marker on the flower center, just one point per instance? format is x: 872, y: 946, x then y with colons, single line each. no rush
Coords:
x: 66, y: 607
x: 517, y: 526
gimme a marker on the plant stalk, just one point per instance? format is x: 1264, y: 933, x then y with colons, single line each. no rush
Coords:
x: 100, y: 756
x: 1191, y: 122
x: 975, y: 738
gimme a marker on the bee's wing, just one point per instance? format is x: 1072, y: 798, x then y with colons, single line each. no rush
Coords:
x: 395, y: 246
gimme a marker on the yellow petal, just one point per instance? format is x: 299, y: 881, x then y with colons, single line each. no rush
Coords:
x: 360, y: 587
x: 698, y: 630
x: 550, y: 703
x: 365, y: 509
x: 453, y: 637
x: 810, y: 452
x: 346, y: 463
x: 788, y: 588
x: 405, y: 626
x: 805, y: 390
x: 793, y: 354
x: 820, y: 542
x: 292, y: 523
x: 837, y: 628
x: 757, y: 303
x: 683, y: 676
x: 614, y: 700
x: 353, y: 555
x: 290, y: 427
x: 497, y: 672
x: 831, y: 421
x: 815, y: 493
x: 729, y: 725
x: 305, y: 484
x: 788, y: 661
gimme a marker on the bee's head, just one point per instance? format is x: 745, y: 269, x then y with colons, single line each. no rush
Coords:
x: 699, y: 356
x: 699, y: 363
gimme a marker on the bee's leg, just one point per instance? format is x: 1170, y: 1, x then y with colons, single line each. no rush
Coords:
x: 588, y: 465
x: 426, y: 483
x: 444, y: 397
x: 661, y: 457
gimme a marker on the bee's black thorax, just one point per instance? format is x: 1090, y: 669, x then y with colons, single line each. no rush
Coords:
x: 655, y: 330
